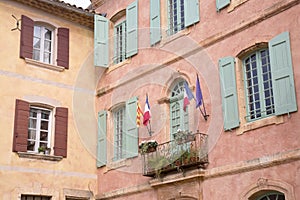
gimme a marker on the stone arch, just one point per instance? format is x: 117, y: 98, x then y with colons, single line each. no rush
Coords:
x: 266, y: 185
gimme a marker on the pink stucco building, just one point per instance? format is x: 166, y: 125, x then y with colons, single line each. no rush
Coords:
x: 245, y: 53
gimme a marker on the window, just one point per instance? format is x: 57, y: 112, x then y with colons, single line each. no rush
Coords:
x: 178, y: 117
x: 39, y: 132
x: 220, y: 4
x: 120, y: 42
x: 176, y: 16
x: 125, y: 38
x: 180, y: 14
x: 42, y: 44
x: 268, y: 82
x: 34, y: 197
x: 37, y: 43
x: 272, y: 196
x: 125, y: 138
x: 258, y: 85
x: 119, y: 125
x: 32, y: 128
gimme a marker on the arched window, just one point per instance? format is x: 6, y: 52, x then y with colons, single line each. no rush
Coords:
x: 178, y: 117
x: 272, y: 196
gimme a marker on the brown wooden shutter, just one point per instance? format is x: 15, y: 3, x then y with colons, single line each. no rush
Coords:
x: 61, y: 132
x: 21, y: 126
x: 26, y: 43
x: 63, y: 47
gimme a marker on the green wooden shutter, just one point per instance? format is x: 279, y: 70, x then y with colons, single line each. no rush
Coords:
x: 132, y: 29
x: 155, y: 34
x: 282, y: 74
x: 131, y: 135
x: 191, y: 12
x: 101, y: 144
x: 228, y: 92
x: 101, y: 55
x: 221, y: 4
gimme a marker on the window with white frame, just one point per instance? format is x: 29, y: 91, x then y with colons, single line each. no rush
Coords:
x: 120, y: 42
x: 39, y: 129
x: 34, y: 197
x: 271, y: 196
x: 119, y: 131
x: 258, y: 85
x: 178, y: 117
x: 42, y: 44
x: 175, y: 16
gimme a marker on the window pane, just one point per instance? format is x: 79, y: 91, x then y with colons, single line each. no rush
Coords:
x: 48, y: 34
x: 37, y: 31
x: 36, y: 43
x: 47, y: 57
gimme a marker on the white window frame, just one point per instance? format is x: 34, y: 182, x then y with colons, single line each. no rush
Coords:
x: 119, y: 132
x: 38, y: 129
x: 258, y: 102
x: 42, y: 38
x: 175, y: 11
x: 120, y: 41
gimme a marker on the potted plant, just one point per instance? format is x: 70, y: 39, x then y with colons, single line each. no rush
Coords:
x: 183, y: 136
x: 47, y: 151
x: 41, y: 149
x: 148, y: 146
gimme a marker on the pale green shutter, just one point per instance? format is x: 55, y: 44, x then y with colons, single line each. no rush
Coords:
x: 282, y: 74
x: 101, y: 144
x: 178, y: 118
x: 131, y: 135
x: 101, y: 56
x: 155, y: 34
x: 228, y: 92
x: 191, y: 12
x: 132, y: 29
x: 221, y: 4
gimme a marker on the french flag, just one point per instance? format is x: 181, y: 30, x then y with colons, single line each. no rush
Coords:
x: 188, y: 96
x: 147, y: 113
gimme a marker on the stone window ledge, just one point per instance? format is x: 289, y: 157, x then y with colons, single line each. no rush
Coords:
x: 44, y: 65
x: 39, y: 156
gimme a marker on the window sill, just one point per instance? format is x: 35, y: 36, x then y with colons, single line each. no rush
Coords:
x: 39, y: 156
x: 44, y: 65
x: 116, y: 66
x: 260, y: 123
x: 171, y: 38
x: 118, y: 164
x: 235, y: 4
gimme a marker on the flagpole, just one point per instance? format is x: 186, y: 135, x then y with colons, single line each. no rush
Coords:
x: 203, y: 114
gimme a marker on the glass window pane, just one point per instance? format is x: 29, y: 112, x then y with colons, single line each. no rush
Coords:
x: 36, y: 43
x: 48, y: 34
x: 37, y: 31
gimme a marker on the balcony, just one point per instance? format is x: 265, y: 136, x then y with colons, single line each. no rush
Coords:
x: 178, y: 155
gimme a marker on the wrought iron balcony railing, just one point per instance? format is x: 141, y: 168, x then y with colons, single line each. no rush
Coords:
x: 191, y: 152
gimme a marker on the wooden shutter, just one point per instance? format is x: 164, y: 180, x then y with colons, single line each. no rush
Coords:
x: 221, y: 4
x: 63, y: 47
x: 155, y: 33
x: 26, y: 48
x: 101, y: 55
x: 282, y: 74
x: 131, y: 135
x: 132, y: 29
x: 21, y: 126
x: 229, y: 93
x: 177, y: 115
x: 102, y: 138
x: 191, y: 12
x: 61, y: 132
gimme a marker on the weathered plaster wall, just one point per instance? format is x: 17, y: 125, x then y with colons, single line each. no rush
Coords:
x: 20, y: 80
x: 197, y: 50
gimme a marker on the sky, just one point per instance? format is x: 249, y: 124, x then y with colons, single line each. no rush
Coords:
x: 79, y: 3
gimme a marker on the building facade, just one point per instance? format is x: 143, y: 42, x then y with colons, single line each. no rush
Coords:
x: 243, y: 117
x: 46, y: 74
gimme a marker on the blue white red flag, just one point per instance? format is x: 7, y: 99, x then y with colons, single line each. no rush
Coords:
x: 188, y: 96
x: 147, y: 114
